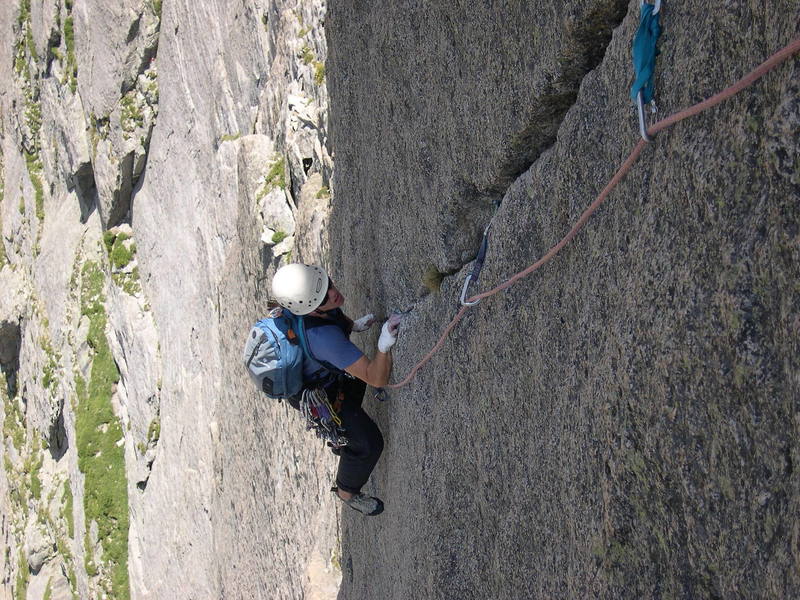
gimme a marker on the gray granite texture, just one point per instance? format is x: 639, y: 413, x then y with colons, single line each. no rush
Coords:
x: 623, y: 423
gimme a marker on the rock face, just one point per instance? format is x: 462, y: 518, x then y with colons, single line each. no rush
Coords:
x: 154, y: 162
x: 624, y: 422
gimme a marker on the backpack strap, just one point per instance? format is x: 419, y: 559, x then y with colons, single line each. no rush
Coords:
x: 326, y: 369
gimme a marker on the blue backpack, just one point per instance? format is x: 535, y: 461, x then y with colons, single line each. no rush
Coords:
x: 275, y: 354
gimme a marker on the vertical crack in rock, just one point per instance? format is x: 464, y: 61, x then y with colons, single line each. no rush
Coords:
x: 585, y: 50
x: 10, y: 344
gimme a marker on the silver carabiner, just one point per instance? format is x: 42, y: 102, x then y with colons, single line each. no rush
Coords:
x: 464, y: 302
x: 476, y: 268
x: 642, y: 123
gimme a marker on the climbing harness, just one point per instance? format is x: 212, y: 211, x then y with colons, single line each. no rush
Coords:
x: 476, y: 269
x: 644, y: 61
x: 322, y: 418
x: 773, y: 61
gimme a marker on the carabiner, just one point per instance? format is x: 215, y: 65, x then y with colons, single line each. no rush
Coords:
x: 464, y: 302
x: 476, y: 268
x: 381, y: 395
x: 642, y: 123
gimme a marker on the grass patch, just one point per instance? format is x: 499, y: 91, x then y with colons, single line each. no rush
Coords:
x: 279, y: 236
x: 275, y: 177
x: 306, y: 55
x: 71, y: 70
x: 319, y: 72
x: 33, y: 467
x: 432, y: 279
x: 156, y: 6
x: 154, y: 431
x: 23, y: 577
x: 324, y: 192
x: 98, y: 430
x: 67, y: 501
x: 120, y: 256
x: 228, y: 137
x: 132, y: 115
x: 50, y: 369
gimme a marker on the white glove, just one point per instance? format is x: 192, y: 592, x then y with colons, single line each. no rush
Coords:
x: 363, y: 323
x: 389, y: 333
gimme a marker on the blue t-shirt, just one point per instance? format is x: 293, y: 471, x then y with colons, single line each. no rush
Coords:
x: 330, y: 343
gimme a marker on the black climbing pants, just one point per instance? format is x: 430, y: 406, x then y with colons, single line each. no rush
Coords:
x: 365, y: 442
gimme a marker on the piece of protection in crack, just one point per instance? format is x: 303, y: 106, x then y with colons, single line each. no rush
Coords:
x: 389, y: 333
x: 363, y: 323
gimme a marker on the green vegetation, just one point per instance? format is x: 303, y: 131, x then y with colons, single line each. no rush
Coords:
x: 228, y: 137
x: 118, y: 252
x: 324, y: 192
x: 32, y: 467
x: 432, y: 278
x: 34, y: 165
x: 319, y: 72
x: 48, y: 591
x: 132, y: 113
x: 156, y: 6
x: 25, y: 51
x: 67, y: 509
x: 279, y: 236
x: 307, y: 55
x: 71, y: 68
x: 154, y: 431
x: 50, y: 369
x: 100, y: 459
x: 303, y: 32
x: 99, y: 129
x: 275, y: 177
x: 120, y: 255
x: 23, y: 577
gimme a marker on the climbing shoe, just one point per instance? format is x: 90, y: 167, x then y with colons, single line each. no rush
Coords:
x: 366, y: 505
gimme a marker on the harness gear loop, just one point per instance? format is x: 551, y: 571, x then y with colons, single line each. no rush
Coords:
x: 476, y: 269
x: 644, y: 60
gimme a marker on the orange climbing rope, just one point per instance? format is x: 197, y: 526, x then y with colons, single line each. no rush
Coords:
x: 773, y: 61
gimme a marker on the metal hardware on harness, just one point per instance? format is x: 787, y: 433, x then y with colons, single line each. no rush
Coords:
x: 320, y: 416
x: 381, y: 395
x: 476, y: 269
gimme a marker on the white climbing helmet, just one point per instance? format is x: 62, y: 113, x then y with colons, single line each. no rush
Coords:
x: 300, y: 288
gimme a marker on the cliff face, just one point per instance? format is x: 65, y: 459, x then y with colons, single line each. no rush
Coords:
x: 157, y: 161
x: 623, y: 423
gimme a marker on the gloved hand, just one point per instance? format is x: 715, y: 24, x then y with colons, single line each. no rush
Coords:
x: 389, y: 333
x: 363, y: 323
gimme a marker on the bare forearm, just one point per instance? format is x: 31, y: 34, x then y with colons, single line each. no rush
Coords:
x: 379, y: 369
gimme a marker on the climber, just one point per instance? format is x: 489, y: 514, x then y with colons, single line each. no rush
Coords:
x: 307, y: 291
